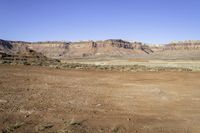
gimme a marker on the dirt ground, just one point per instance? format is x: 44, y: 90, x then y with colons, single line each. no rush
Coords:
x: 37, y: 99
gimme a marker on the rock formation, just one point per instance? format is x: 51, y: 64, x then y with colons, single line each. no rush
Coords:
x: 17, y: 52
x: 106, y: 48
x: 181, y: 50
x: 82, y: 49
x: 183, y: 45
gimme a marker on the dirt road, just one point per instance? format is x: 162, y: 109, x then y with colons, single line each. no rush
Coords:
x: 36, y: 99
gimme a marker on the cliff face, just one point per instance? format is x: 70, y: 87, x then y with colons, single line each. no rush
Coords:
x: 177, y: 50
x: 50, y: 49
x: 13, y: 48
x: 120, y: 48
x: 5, y: 46
x: 19, y: 53
x: 106, y: 48
x: 89, y: 48
x: 186, y: 45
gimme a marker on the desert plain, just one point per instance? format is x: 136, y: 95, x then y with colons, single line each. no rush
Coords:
x: 39, y: 99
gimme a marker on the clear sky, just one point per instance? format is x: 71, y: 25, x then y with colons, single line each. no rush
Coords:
x: 149, y: 21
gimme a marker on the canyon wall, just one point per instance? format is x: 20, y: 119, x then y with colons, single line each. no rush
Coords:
x: 90, y: 48
x: 105, y: 48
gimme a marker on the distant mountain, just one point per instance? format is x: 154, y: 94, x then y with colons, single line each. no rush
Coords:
x: 105, y: 48
x: 90, y: 48
x: 14, y: 48
x: 181, y: 50
x: 20, y: 53
x: 183, y: 45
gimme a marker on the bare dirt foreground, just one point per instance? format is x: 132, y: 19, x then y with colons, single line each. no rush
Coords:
x: 36, y: 99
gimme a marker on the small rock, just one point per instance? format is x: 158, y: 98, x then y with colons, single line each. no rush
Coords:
x: 27, y: 115
x: 43, y: 127
x: 98, y: 105
x: 3, y: 101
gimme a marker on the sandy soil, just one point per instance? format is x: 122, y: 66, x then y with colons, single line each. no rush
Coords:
x: 36, y: 99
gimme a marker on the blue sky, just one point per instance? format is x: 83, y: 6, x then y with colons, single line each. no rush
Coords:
x: 149, y: 21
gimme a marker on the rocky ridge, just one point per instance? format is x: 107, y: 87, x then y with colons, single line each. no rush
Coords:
x: 105, y: 48
x: 183, y: 45
x: 86, y: 49
x: 16, y: 52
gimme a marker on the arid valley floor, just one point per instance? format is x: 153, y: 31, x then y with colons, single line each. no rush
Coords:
x: 100, y: 66
x: 38, y: 99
